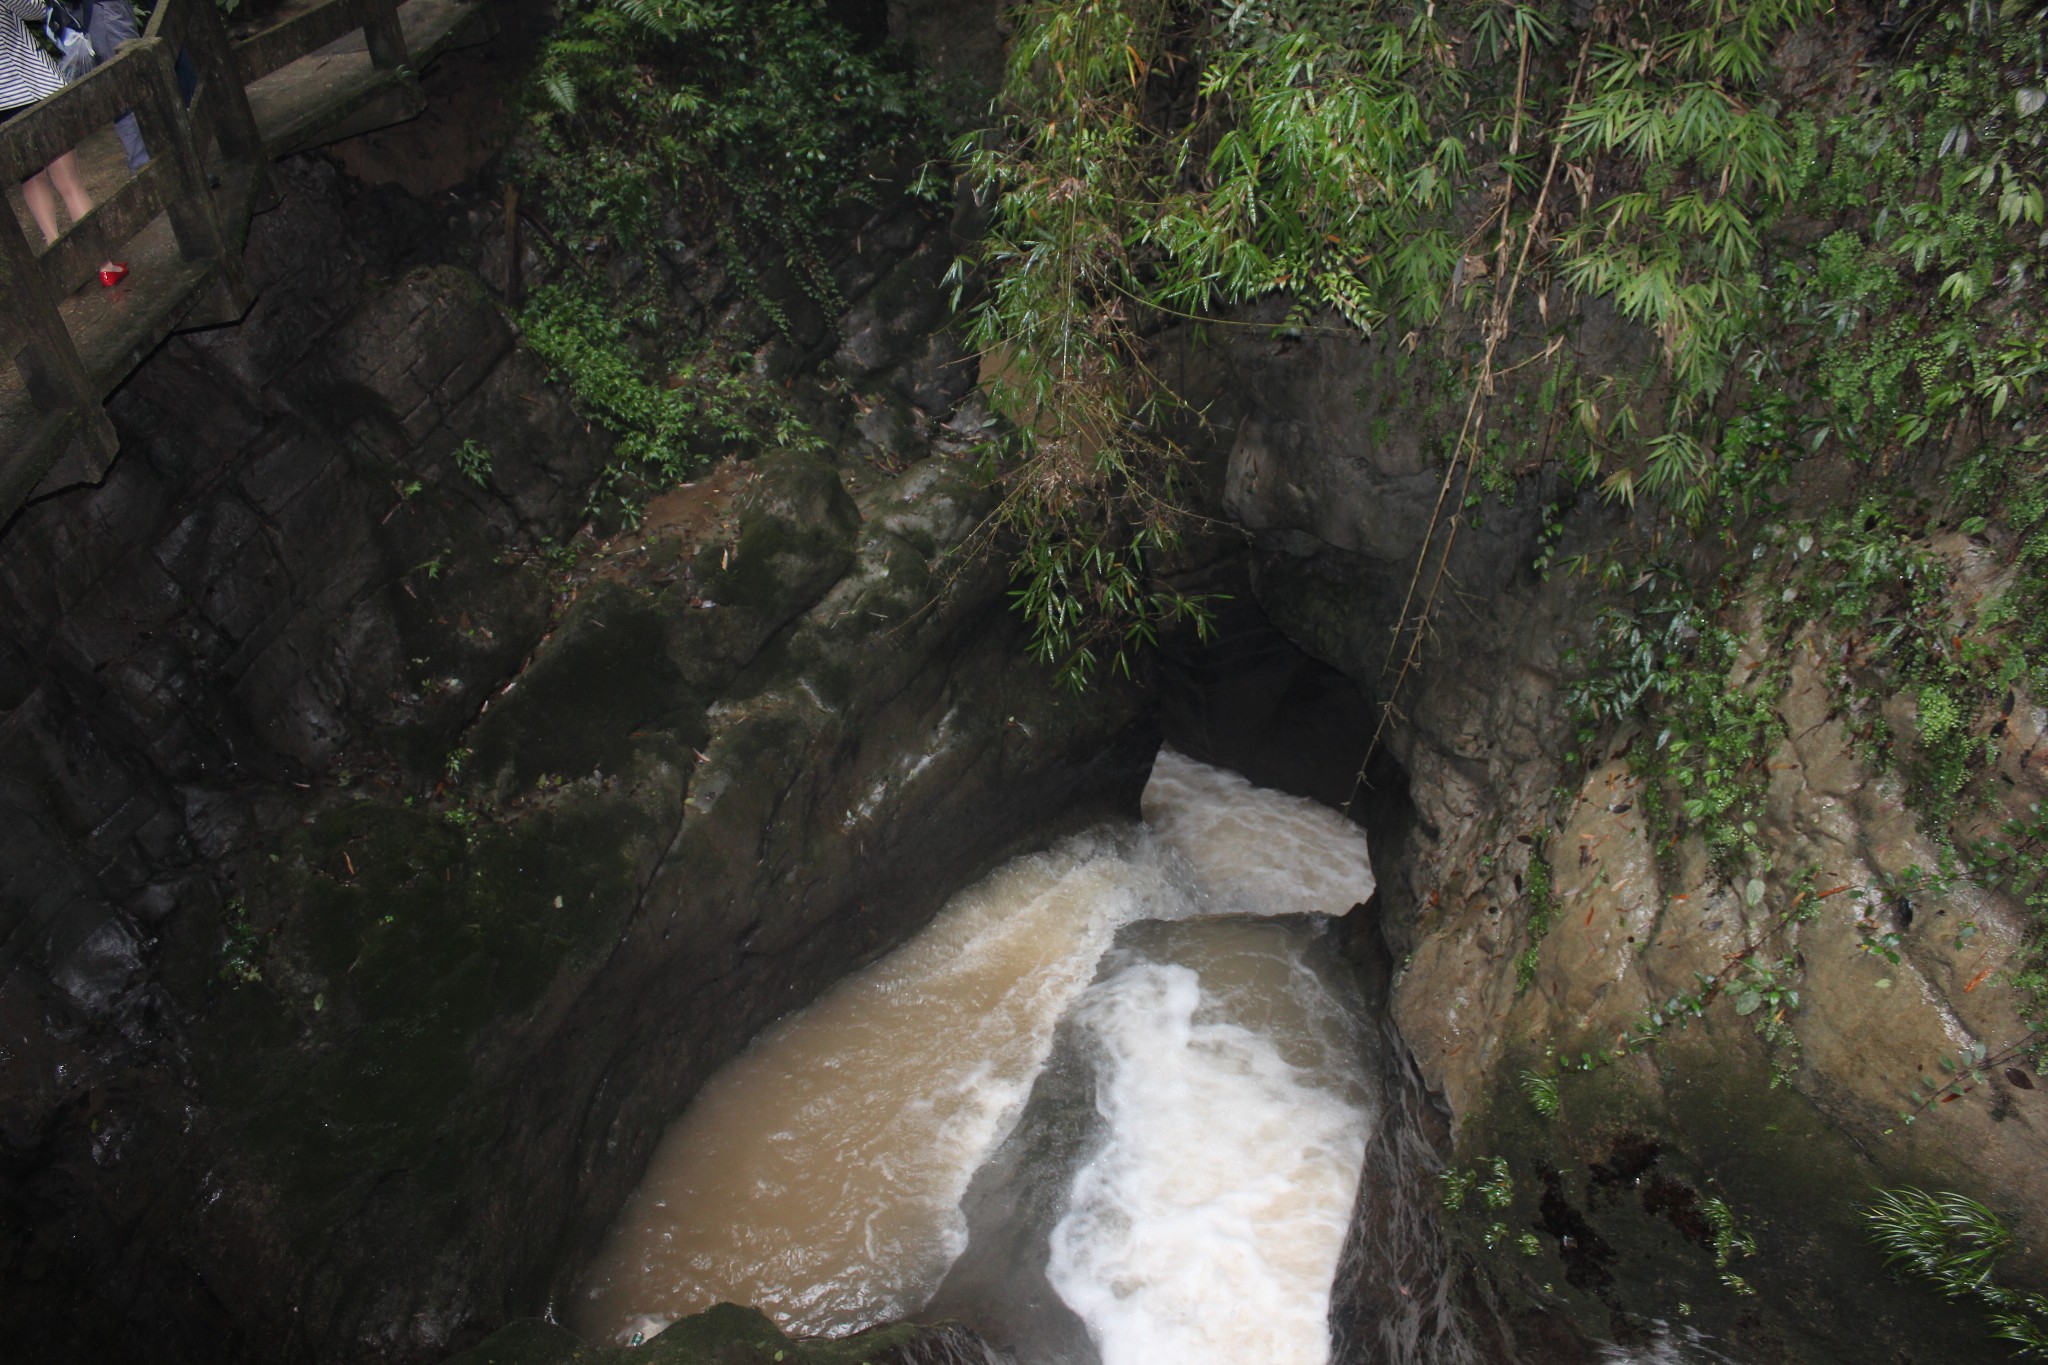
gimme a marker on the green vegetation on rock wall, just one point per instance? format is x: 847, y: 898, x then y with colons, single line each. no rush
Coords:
x: 1822, y: 254
x: 656, y: 129
x: 1810, y: 238
x: 1462, y: 177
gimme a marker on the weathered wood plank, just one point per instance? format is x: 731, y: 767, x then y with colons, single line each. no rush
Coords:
x: 385, y: 36
x: 305, y: 105
x: 162, y: 117
x: 58, y: 401
x: 299, y: 36
x: 43, y: 132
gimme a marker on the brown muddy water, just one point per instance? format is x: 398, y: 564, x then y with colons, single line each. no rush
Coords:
x: 820, y: 1176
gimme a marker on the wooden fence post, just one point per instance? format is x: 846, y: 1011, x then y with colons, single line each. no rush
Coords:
x: 197, y: 28
x: 164, y: 126
x: 385, y: 35
x: 50, y: 368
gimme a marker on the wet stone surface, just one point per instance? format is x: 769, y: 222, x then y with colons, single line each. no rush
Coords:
x: 373, y: 887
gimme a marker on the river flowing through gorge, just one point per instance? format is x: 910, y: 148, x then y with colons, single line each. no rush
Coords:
x: 1139, y: 1041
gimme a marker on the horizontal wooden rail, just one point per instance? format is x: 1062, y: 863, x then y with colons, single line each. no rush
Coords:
x: 305, y: 34
x: 45, y: 131
x: 141, y: 80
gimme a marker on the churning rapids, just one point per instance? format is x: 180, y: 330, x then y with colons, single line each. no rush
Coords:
x: 1185, y: 1199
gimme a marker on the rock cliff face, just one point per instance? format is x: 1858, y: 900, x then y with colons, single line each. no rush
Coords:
x: 385, y: 865
x: 1620, y: 1189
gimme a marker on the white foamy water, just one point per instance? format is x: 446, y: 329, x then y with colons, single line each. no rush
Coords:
x: 1256, y: 850
x: 1669, y: 1346
x: 819, y: 1176
x: 1208, y: 1226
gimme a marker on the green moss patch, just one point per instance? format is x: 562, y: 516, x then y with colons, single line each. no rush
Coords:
x: 723, y: 1335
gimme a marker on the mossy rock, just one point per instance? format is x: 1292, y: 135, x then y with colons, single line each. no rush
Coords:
x: 1618, y: 1189
x: 602, y: 686
x: 404, y: 942
x: 726, y: 1334
x: 797, y: 530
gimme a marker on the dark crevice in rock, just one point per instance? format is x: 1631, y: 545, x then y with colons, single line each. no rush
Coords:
x: 1585, y: 1252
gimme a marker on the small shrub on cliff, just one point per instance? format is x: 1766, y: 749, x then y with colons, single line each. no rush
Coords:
x: 1732, y: 1243
x: 755, y: 121
x: 1955, y: 1244
x: 667, y: 430
x: 1544, y: 1095
x: 1537, y: 891
x: 656, y: 128
x: 1669, y: 662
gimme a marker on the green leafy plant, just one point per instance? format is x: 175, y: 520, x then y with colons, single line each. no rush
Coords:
x: 473, y: 458
x: 1969, y: 1069
x: 668, y: 430
x: 1537, y: 890
x: 1765, y: 994
x: 241, y: 946
x: 656, y: 125
x: 1542, y: 1092
x: 1384, y: 168
x: 1732, y: 1243
x: 1956, y: 1244
x: 1498, y: 1192
x: 1667, y: 660
x: 757, y: 120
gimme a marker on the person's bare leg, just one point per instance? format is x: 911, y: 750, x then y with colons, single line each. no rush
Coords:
x: 64, y: 174
x: 42, y: 203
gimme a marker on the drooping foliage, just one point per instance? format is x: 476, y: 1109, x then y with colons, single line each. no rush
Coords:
x: 1444, y: 174
x: 1819, y: 249
x: 1956, y: 1244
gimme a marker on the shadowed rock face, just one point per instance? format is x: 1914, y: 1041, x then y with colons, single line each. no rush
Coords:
x: 375, y: 887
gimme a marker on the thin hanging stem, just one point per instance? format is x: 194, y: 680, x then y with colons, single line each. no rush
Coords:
x: 1466, y: 448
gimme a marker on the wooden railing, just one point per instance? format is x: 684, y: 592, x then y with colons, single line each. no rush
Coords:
x: 314, y: 29
x: 207, y: 158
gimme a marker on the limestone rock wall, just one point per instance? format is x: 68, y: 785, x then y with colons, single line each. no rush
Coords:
x: 1616, y: 1186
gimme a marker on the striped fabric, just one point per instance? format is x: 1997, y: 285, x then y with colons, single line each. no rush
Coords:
x: 26, y: 74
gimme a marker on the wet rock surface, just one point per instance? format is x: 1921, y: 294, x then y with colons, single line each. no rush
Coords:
x: 1612, y: 1189
x: 1702, y: 1116
x: 723, y: 1335
x: 373, y: 887
x: 379, y: 882
x: 1470, y: 777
